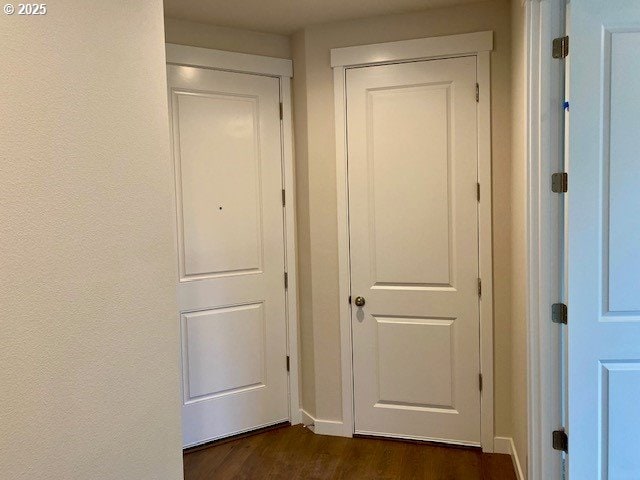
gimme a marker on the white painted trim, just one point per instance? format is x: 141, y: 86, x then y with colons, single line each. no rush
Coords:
x: 291, y: 259
x: 544, y: 117
x: 506, y: 446
x: 335, y: 428
x: 232, y: 61
x: 344, y: 268
x: 306, y: 417
x: 485, y: 215
x: 421, y: 48
x: 257, y: 65
x: 485, y: 239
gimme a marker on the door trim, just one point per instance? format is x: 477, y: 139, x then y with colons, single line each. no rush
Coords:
x: 229, y: 61
x: 475, y: 44
x: 283, y: 70
x: 545, y: 143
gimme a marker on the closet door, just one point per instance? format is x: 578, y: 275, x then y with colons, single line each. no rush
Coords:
x: 227, y: 149
x: 413, y: 212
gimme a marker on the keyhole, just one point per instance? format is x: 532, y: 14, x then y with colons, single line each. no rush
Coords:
x: 220, y: 208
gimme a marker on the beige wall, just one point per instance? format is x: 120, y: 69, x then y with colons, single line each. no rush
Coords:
x: 518, y: 241
x: 308, y: 375
x: 89, y: 385
x: 183, y: 32
x: 316, y: 187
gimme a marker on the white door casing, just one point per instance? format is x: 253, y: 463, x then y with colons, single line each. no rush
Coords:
x: 545, y: 21
x: 412, y: 148
x: 603, y: 235
x: 228, y: 149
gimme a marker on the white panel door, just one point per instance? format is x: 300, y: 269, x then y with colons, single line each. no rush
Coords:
x: 226, y: 145
x: 603, y: 235
x: 413, y: 214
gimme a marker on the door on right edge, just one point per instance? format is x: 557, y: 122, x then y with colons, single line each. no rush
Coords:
x: 603, y: 240
x: 413, y: 215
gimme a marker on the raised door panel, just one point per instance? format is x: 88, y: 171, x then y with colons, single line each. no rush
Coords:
x: 415, y: 363
x: 622, y: 144
x: 409, y: 134
x: 620, y: 416
x: 223, y: 351
x: 219, y: 166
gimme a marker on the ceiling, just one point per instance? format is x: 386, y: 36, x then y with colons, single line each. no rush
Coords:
x: 288, y: 16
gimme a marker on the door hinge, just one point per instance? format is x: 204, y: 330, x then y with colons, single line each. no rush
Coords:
x: 559, y: 313
x: 478, y: 191
x: 560, y: 47
x: 286, y: 280
x: 560, y: 440
x: 477, y: 92
x: 288, y: 364
x: 480, y: 381
x: 349, y: 299
x: 281, y: 111
x: 284, y: 198
x: 479, y: 287
x: 560, y: 182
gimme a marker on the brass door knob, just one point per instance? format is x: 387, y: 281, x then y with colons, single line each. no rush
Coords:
x: 359, y: 302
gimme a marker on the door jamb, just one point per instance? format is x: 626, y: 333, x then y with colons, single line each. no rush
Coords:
x: 544, y: 232
x: 478, y: 44
x: 283, y: 70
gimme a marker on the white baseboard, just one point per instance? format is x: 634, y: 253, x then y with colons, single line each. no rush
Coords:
x: 329, y: 427
x: 506, y: 446
x: 323, y: 427
x: 306, y: 418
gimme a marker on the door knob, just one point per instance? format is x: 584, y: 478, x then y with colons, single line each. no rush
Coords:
x: 359, y: 302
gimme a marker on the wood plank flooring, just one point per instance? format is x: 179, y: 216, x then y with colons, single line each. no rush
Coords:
x: 297, y: 453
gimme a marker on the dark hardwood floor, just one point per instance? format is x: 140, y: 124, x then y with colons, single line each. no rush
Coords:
x: 297, y: 453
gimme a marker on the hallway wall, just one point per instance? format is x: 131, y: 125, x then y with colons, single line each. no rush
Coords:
x: 195, y: 34
x: 316, y: 177
x: 89, y: 385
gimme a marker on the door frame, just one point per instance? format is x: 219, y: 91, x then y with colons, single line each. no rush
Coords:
x: 544, y: 21
x: 480, y: 45
x: 282, y: 69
